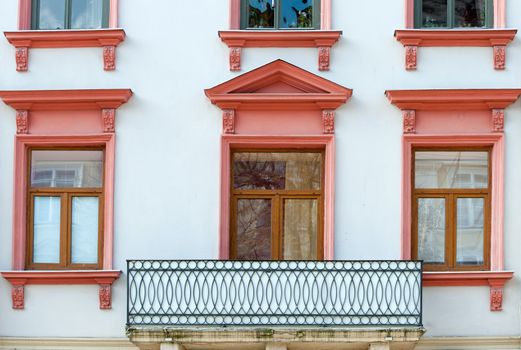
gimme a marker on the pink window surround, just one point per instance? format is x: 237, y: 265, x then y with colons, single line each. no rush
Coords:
x: 278, y: 106
x: 63, y: 118
x: 25, y: 38
x: 452, y: 118
x: 496, y: 38
x: 323, y: 39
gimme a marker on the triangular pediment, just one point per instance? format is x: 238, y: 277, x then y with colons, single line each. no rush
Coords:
x: 278, y: 82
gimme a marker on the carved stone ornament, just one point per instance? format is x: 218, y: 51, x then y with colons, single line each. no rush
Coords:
x: 17, y: 294
x: 496, y: 298
x: 328, y: 121
x: 411, y: 57
x: 22, y: 121
x: 22, y: 59
x: 498, y: 120
x: 235, y: 59
x: 499, y: 57
x: 409, y: 121
x: 324, y: 53
x: 109, y: 57
x: 105, y: 296
x: 109, y: 119
x: 228, y: 121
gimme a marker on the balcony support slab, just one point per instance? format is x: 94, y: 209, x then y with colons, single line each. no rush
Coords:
x: 330, y: 338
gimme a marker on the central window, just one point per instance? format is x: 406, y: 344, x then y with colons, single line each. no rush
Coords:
x: 280, y: 14
x: 454, y: 13
x: 69, y: 14
x: 277, y: 205
x: 65, y: 209
x: 451, y: 209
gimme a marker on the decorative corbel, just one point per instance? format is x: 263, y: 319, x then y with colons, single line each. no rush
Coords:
x: 235, y: 58
x: 328, y: 121
x: 22, y: 121
x: 496, y: 298
x: 228, y: 121
x: 411, y: 57
x: 105, y: 296
x: 17, y: 294
x: 409, y: 121
x: 498, y: 120
x: 22, y: 59
x: 500, y: 57
x: 324, y: 53
x: 109, y: 119
x: 109, y: 58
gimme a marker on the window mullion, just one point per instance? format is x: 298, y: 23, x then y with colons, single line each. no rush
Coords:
x: 451, y: 231
x: 64, y: 234
x: 276, y: 16
x: 451, y: 9
x: 68, y: 14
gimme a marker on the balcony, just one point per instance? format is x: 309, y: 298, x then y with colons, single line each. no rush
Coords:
x: 262, y: 302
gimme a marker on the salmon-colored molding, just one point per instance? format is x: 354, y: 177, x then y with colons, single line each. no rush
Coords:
x: 496, y: 280
x: 323, y: 40
x: 499, y: 13
x: 495, y: 38
x: 27, y: 101
x: 495, y: 100
x: 19, y: 279
x: 278, y: 86
x: 63, y: 118
x: 229, y: 142
x: 496, y: 142
x: 24, y: 40
x: 24, y: 14
x: 325, y: 14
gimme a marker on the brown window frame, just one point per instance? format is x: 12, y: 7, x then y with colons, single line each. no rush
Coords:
x: 277, y: 199
x: 451, y: 196
x: 66, y: 194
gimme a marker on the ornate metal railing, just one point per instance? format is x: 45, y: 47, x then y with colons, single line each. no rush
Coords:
x: 274, y: 293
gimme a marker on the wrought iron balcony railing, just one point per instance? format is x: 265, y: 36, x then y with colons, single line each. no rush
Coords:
x: 274, y: 293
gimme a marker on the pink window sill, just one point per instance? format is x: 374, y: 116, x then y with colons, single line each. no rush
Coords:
x: 321, y: 39
x: 23, y: 40
x: 494, y: 279
x: 498, y: 39
x: 103, y: 278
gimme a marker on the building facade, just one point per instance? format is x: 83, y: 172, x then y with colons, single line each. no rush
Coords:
x: 250, y: 174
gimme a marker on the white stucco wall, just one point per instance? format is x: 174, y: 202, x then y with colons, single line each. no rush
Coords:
x: 167, y: 160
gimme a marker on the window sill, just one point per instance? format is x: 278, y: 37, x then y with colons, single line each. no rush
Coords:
x: 494, y: 279
x: 321, y: 39
x: 103, y: 278
x: 23, y: 40
x: 498, y: 39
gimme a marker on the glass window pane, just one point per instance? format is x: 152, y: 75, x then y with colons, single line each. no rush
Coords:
x: 253, y: 229
x: 467, y: 169
x: 261, y: 13
x: 296, y: 14
x: 67, y: 169
x: 84, y: 240
x: 277, y: 171
x: 431, y: 230
x: 434, y: 13
x: 46, y: 230
x: 51, y: 14
x: 87, y: 14
x: 470, y: 13
x: 300, y: 229
x: 470, y: 231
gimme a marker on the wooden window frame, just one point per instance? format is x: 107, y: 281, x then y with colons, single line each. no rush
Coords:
x: 66, y: 194
x: 451, y: 196
x: 418, y: 16
x: 35, y: 11
x: 276, y: 21
x: 277, y: 198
